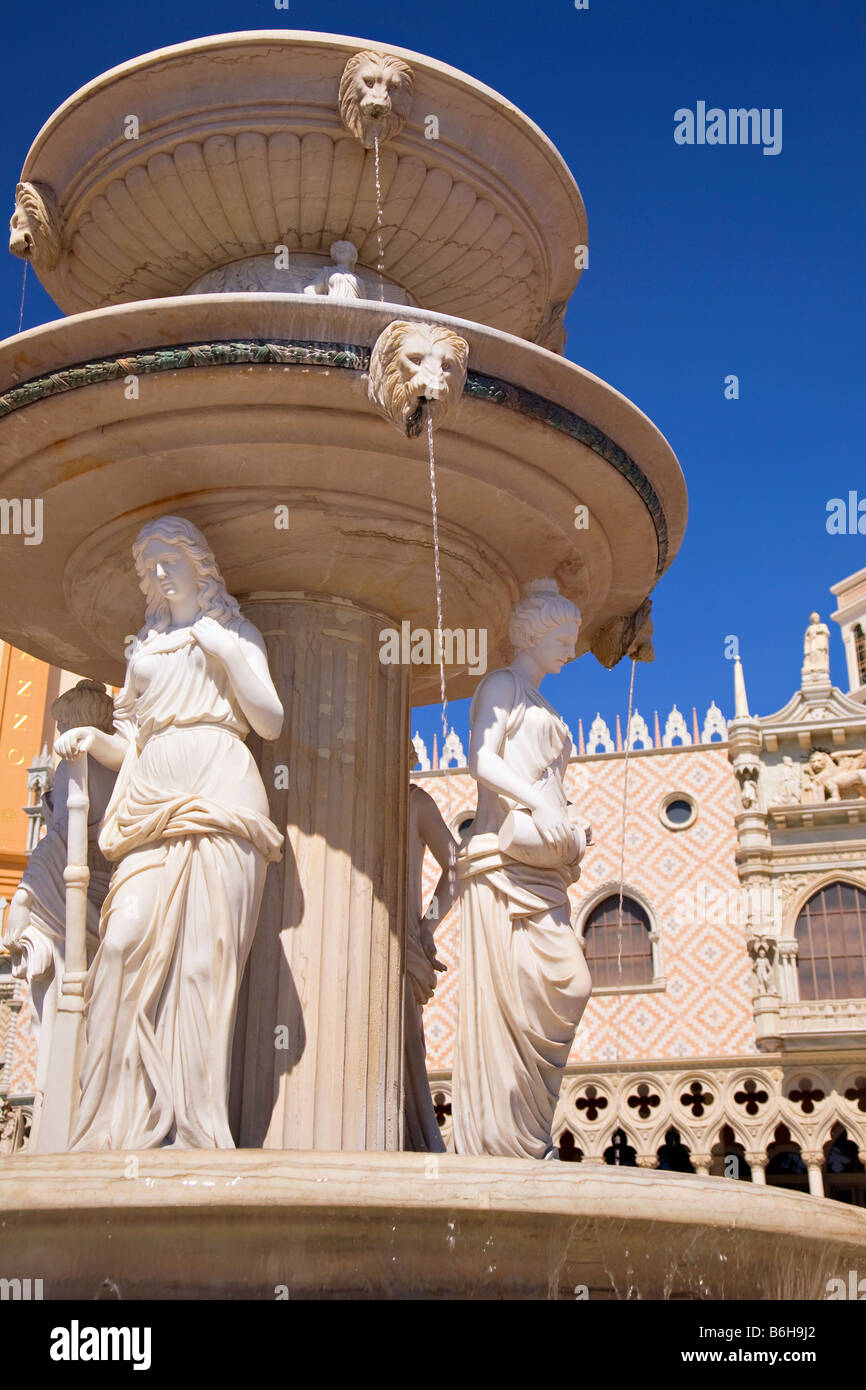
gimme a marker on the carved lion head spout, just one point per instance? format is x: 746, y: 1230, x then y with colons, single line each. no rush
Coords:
x: 375, y: 96
x: 417, y: 369
x: 34, y: 231
x: 630, y: 636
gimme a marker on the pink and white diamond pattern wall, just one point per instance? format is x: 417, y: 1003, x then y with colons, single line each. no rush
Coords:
x: 704, y: 1005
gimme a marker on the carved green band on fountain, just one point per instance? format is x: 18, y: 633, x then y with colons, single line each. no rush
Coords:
x: 353, y: 357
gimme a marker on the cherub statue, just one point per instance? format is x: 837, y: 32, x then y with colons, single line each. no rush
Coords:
x: 339, y: 280
x: 36, y: 923
x: 427, y: 830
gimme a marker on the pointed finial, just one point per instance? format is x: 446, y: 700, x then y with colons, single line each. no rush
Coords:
x: 741, y: 704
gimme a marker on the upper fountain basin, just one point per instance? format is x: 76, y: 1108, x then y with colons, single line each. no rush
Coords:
x: 210, y: 152
x: 226, y: 408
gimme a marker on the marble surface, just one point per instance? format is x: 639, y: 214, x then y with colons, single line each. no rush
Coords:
x: 256, y: 1224
x: 240, y: 146
x: 227, y: 444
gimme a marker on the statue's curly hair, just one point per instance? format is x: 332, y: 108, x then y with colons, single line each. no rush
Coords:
x: 542, y: 608
x: 87, y: 703
x: 214, y: 599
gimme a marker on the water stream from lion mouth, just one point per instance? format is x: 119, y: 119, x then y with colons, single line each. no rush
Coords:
x: 380, y: 260
x: 437, y: 573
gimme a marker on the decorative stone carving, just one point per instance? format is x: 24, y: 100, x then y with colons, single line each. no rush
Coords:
x: 452, y: 751
x: 762, y: 952
x: 304, y: 272
x: 748, y: 775
x: 791, y: 886
x: 36, y: 925
x: 8, y: 1128
x: 522, y: 993
x: 790, y: 786
x: 422, y: 759
x: 675, y: 727
x: 427, y: 830
x: 415, y: 369
x: 714, y: 723
x: 35, y: 230
x: 338, y: 281
x: 638, y: 733
x: 188, y: 830
x: 40, y: 779
x: 837, y: 776
x: 375, y: 96
x: 630, y: 636
x: 816, y: 649
x: 599, y: 733
x: 551, y: 333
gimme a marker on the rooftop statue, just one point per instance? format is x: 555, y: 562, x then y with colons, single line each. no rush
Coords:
x: 816, y: 648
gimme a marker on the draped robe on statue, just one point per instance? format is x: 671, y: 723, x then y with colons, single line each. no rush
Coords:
x: 189, y: 832
x: 43, y: 941
x: 523, y: 978
x: 421, y: 1128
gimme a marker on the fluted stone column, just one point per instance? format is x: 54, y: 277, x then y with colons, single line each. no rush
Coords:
x: 318, y: 1055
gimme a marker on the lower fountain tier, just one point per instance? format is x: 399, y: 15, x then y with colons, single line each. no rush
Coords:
x: 177, y: 1224
x: 248, y: 413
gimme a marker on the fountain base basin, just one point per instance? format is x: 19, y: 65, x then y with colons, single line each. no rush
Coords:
x: 254, y: 1224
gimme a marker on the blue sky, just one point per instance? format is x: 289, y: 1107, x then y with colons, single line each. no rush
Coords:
x: 704, y: 261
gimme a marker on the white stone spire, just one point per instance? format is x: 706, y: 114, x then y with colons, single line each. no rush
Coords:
x: 741, y: 703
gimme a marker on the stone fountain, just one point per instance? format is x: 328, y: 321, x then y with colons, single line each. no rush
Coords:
x: 273, y: 279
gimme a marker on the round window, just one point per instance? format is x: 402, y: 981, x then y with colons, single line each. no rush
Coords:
x: 678, y: 811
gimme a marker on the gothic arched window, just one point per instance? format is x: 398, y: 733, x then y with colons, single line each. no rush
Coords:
x: 606, y: 948
x: 831, y: 936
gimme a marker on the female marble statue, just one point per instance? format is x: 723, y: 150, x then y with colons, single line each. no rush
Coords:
x: 188, y: 830
x: 523, y: 979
